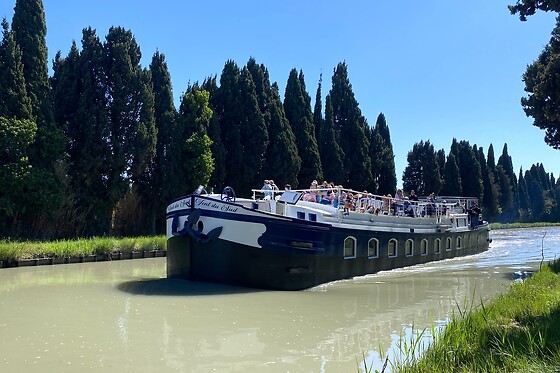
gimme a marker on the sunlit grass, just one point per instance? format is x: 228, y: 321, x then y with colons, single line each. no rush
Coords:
x: 16, y: 250
x: 522, y: 225
x: 517, y: 332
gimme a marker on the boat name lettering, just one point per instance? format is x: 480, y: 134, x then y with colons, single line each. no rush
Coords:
x: 215, y: 206
x: 180, y: 204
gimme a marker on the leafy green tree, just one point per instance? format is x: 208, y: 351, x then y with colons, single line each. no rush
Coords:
x: 451, y: 178
x: 298, y: 112
x: 14, y: 101
x: 541, y: 82
x: 528, y: 7
x: 422, y: 172
x: 331, y: 153
x: 350, y: 128
x: 15, y: 170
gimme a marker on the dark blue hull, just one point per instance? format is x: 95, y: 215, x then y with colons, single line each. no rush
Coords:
x: 296, y: 255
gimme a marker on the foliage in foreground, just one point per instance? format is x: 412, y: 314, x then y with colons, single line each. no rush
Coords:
x: 16, y: 250
x: 518, y: 332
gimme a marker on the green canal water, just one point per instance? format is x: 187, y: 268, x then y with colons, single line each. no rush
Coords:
x: 125, y: 316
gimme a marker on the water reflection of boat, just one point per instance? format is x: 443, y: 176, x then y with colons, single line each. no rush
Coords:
x: 286, y: 242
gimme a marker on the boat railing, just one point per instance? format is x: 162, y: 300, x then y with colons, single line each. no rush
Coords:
x: 349, y: 200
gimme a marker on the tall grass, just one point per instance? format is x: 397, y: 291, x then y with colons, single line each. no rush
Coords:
x: 16, y: 250
x: 518, y: 331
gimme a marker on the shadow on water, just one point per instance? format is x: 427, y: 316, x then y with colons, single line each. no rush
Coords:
x: 174, y: 287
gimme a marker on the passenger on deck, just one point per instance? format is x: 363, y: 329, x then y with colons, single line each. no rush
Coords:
x: 413, y: 196
x: 267, y: 189
x: 315, y: 190
x: 474, y: 213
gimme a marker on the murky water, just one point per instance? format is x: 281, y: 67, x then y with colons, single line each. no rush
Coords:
x: 127, y: 317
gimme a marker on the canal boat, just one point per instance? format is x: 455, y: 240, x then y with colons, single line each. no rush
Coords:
x: 298, y: 239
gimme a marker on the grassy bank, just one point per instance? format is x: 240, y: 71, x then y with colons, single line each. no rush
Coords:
x: 15, y: 250
x: 517, y: 332
x: 522, y: 225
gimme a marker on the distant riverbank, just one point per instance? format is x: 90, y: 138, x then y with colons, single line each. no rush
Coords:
x: 16, y: 253
x: 522, y: 225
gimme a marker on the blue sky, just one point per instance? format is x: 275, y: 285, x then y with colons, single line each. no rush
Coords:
x: 436, y: 69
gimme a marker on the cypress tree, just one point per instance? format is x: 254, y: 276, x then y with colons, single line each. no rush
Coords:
x: 384, y: 172
x: 331, y: 153
x: 422, y: 172
x: 490, y: 190
x: 14, y: 101
x: 298, y: 113
x: 283, y: 162
x: 506, y: 164
x: 218, y: 149
x: 523, y: 192
x: 350, y: 129
x: 318, y: 118
x: 451, y: 178
x: 228, y: 109
x: 469, y: 169
x: 164, y: 165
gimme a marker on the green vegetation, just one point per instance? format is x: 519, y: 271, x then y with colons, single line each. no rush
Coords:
x: 13, y: 250
x: 519, y: 331
x: 522, y: 225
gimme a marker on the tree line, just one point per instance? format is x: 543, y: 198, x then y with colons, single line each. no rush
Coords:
x: 99, y: 148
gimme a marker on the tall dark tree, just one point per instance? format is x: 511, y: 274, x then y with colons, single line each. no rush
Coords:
x: 88, y: 202
x: 505, y: 162
x: 490, y: 199
x: 440, y: 155
x: 44, y: 185
x: 14, y: 102
x: 422, y: 172
x: 350, y: 128
x: 218, y: 177
x: 298, y: 112
x: 283, y: 161
x: 383, y: 165
x: 331, y: 154
x: 451, y: 178
x: 164, y: 165
x: 523, y: 192
x: 469, y: 169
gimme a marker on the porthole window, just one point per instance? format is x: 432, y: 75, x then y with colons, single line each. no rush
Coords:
x: 448, y: 244
x: 424, y: 247
x: 437, y: 246
x: 373, y: 248
x: 392, y: 248
x: 349, y: 247
x: 409, y: 248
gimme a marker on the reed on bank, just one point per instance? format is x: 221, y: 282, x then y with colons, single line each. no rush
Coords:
x: 517, y: 332
x: 20, y: 250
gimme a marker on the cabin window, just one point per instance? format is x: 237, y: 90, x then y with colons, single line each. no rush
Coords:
x: 424, y: 247
x: 313, y: 217
x: 392, y: 248
x: 458, y: 243
x: 349, y: 248
x: 373, y: 248
x: 301, y: 215
x: 409, y: 247
x: 448, y: 244
x: 437, y: 246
